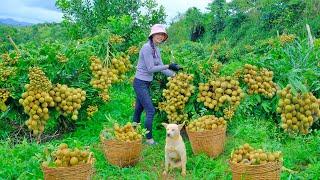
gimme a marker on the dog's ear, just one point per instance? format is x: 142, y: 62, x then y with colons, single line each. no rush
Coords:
x: 164, y: 124
x: 180, y: 126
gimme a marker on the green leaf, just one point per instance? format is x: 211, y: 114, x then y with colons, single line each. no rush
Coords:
x: 266, y: 106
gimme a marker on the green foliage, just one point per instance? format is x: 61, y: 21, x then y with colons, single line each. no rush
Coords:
x: 296, y: 64
x: 244, y: 22
x: 279, y: 15
x: 218, y: 14
x: 300, y: 153
x: 189, y: 27
x: 75, y: 72
x: 87, y: 17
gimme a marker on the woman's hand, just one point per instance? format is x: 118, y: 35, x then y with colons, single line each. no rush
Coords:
x: 174, y: 67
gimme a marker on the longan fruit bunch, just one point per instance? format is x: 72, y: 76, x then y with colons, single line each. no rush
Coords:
x: 246, y: 154
x: 38, y: 80
x: 126, y: 133
x: 248, y: 48
x: 102, y: 76
x: 61, y: 58
x: 175, y: 117
x: 67, y: 157
x: 68, y: 100
x: 259, y: 81
x: 6, y: 71
x: 4, y: 95
x: 104, y: 95
x: 36, y: 101
x: 121, y: 63
x: 228, y: 112
x: 207, y: 122
x: 91, y: 110
x: 9, y: 61
x: 116, y: 39
x: 287, y: 38
x: 238, y: 74
x: 179, y: 89
x: 133, y: 50
x: 298, y: 112
x: 36, y: 104
x: 216, y: 93
x: 216, y: 67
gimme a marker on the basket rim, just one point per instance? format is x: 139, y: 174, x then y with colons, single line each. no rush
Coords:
x: 253, y: 165
x: 206, y: 130
x: 103, y: 139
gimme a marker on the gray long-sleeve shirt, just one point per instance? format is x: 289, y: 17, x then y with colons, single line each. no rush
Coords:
x: 147, y: 64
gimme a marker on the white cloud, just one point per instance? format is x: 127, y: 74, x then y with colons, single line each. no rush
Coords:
x: 19, y: 11
x: 174, y: 7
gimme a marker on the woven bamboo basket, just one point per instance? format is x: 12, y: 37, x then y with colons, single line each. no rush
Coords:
x: 120, y: 153
x: 268, y: 171
x: 210, y: 142
x: 78, y: 172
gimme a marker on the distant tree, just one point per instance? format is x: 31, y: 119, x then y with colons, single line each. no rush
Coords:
x: 218, y: 14
x: 87, y: 16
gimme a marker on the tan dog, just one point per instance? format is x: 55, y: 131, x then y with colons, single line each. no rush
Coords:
x: 175, y: 150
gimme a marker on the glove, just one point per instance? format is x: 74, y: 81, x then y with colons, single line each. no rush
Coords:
x: 174, y: 67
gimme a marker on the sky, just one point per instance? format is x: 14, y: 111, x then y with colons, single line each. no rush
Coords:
x: 32, y: 11
x: 173, y: 7
x: 40, y: 11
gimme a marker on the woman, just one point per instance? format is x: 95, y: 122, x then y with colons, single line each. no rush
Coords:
x: 149, y: 63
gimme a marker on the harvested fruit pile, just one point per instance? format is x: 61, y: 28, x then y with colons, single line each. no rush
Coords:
x: 298, y: 112
x: 208, y: 122
x: 125, y: 133
x: 66, y: 157
x: 246, y: 154
x: 179, y: 89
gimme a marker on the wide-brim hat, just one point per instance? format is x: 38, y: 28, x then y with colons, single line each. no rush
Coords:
x: 158, y: 28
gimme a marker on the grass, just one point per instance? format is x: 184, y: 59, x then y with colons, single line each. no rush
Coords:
x: 301, y: 153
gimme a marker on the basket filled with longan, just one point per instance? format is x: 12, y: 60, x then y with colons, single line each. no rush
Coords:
x: 207, y: 135
x: 249, y: 163
x: 122, y: 145
x: 68, y: 163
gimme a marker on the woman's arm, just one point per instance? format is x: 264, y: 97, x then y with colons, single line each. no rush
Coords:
x: 149, y: 62
x: 167, y: 72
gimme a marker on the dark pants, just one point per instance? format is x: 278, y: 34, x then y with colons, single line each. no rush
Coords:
x: 143, y: 102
